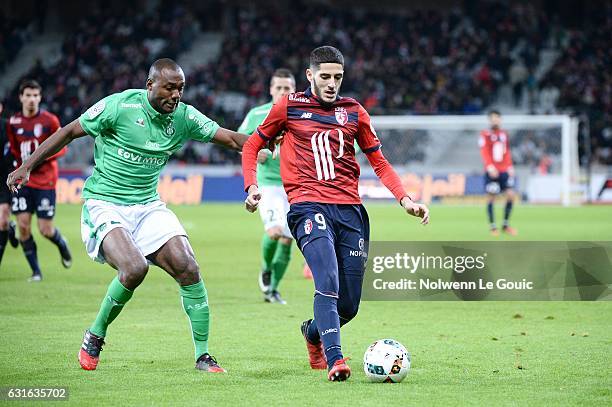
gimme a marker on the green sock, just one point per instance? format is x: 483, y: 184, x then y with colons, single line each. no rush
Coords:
x: 195, y: 304
x: 268, y: 248
x: 279, y: 264
x: 112, y: 304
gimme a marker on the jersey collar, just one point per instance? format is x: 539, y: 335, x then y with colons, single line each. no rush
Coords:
x: 308, y: 93
x: 30, y: 117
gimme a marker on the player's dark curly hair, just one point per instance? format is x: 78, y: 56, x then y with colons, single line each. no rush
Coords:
x: 325, y: 54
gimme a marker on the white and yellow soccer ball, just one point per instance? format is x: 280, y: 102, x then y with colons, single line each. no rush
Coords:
x: 386, y: 361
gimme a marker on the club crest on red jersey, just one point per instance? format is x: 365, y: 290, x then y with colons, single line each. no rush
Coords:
x: 38, y: 130
x: 308, y: 226
x: 341, y: 116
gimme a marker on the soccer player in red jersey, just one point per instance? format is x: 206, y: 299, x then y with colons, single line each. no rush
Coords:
x: 326, y: 217
x: 26, y: 131
x: 499, y: 172
x: 7, y: 226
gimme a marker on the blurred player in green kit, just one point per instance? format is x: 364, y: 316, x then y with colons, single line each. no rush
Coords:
x: 276, y: 241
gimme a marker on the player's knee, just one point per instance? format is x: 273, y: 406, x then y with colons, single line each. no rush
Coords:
x: 4, y: 217
x: 46, y: 230
x: 274, y: 232
x: 187, y: 271
x: 132, y: 274
x: 326, y: 284
x: 285, y: 240
x: 25, y: 231
x: 192, y: 269
x: 137, y: 268
x: 23, y: 222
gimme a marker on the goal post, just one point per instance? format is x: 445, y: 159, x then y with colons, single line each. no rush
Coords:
x: 544, y: 150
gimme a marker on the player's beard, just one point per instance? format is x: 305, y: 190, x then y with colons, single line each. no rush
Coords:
x: 317, y: 91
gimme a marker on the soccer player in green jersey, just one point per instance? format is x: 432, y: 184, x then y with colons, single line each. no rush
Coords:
x: 276, y: 241
x: 123, y: 222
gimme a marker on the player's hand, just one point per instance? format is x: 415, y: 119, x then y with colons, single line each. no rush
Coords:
x: 262, y: 156
x: 415, y: 209
x: 18, y: 178
x: 511, y: 171
x: 492, y: 171
x: 252, y: 200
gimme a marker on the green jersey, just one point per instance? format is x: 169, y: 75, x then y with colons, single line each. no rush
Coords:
x: 268, y: 173
x: 133, y: 143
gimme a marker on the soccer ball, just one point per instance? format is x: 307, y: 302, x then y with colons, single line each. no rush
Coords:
x: 386, y: 361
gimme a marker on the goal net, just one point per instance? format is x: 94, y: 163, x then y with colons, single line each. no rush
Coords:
x: 438, y: 157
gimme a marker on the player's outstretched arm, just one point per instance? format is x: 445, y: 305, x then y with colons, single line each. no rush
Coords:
x: 48, y: 148
x: 273, y: 125
x: 230, y: 139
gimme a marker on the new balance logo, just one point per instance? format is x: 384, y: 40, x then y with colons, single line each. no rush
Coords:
x: 306, y: 115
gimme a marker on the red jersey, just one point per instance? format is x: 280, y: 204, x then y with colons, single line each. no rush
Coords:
x: 495, y: 149
x: 318, y: 154
x: 25, y: 134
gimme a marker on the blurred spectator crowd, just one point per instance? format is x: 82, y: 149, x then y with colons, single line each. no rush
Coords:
x: 580, y: 82
x: 110, y: 50
x: 14, y: 33
x: 451, y: 61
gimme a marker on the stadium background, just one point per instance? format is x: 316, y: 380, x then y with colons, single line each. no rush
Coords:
x: 426, y: 58
x: 421, y: 58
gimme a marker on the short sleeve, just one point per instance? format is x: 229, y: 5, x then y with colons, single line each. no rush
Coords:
x: 200, y: 127
x: 100, y: 116
x: 366, y: 138
x: 245, y: 127
x: 55, y: 124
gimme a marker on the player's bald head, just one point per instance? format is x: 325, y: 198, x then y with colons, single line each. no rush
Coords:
x: 165, y: 85
x: 163, y: 66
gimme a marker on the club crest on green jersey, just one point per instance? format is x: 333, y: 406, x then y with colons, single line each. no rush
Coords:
x: 170, y: 129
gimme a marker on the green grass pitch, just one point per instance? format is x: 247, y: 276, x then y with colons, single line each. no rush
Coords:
x: 475, y: 353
